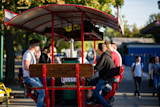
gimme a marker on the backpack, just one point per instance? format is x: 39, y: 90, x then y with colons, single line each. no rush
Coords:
x: 135, y: 66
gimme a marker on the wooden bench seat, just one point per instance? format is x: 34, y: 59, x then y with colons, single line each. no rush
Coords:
x: 61, y: 70
x: 80, y: 71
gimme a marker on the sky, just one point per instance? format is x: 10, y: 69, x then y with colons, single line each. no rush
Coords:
x: 138, y: 11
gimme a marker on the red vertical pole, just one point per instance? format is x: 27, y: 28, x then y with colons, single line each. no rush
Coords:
x: 53, y: 38
x: 78, y: 86
x: 117, y: 13
x: 53, y: 92
x: 45, y: 86
x: 53, y: 82
x: 95, y: 56
x: 83, y: 93
x: 82, y: 35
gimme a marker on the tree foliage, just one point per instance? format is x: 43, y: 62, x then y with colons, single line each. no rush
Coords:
x: 153, y: 17
x: 129, y: 31
x: 103, y: 5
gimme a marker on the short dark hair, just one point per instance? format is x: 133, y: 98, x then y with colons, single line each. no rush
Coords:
x: 46, y: 47
x: 33, y: 41
x: 107, y: 42
x: 137, y: 57
x: 102, y: 47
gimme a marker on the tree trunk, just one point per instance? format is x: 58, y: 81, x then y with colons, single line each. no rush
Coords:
x: 26, y: 45
x: 9, y: 74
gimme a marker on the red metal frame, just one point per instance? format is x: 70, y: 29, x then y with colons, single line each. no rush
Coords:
x: 114, y: 88
x: 83, y: 92
x: 111, y: 23
x: 95, y: 56
x: 82, y: 36
x: 45, y: 86
x: 53, y: 38
x: 53, y: 92
x: 81, y: 101
x: 29, y: 94
x: 80, y: 96
x: 78, y: 86
x: 115, y: 85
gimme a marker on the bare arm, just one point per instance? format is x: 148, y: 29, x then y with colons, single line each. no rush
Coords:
x: 142, y: 72
x: 26, y: 64
x: 151, y: 74
x: 132, y: 71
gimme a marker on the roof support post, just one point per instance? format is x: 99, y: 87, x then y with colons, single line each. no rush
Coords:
x: 82, y: 35
x: 1, y: 51
x: 95, y: 55
x: 117, y: 14
x: 52, y: 37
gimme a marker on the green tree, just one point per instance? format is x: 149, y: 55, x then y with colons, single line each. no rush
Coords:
x: 103, y: 5
x: 152, y: 18
x: 9, y: 31
x: 129, y: 31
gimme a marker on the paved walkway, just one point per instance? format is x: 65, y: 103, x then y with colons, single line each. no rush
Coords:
x: 123, y: 98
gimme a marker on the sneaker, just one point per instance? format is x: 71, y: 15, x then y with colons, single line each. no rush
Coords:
x: 92, y: 103
x: 111, y: 100
x: 139, y: 97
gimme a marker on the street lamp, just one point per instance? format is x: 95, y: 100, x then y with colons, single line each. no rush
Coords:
x: 158, y: 4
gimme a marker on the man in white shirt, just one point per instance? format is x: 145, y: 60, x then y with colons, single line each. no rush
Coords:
x: 30, y: 57
x: 137, y: 71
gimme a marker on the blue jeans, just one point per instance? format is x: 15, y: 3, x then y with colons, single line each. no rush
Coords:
x: 156, y: 79
x: 99, y: 87
x: 35, y: 82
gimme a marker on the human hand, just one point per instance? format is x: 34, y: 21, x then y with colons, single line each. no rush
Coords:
x: 93, y: 64
x: 134, y: 75
x: 58, y: 60
x: 38, y: 54
x: 151, y: 77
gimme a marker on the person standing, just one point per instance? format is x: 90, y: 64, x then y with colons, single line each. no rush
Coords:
x: 31, y: 56
x: 155, y: 75
x: 137, y: 71
x: 151, y: 61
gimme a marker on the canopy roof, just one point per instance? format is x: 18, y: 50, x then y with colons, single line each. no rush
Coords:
x: 39, y: 18
x: 151, y: 28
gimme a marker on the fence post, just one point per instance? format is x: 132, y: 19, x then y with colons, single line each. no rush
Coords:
x: 1, y: 51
